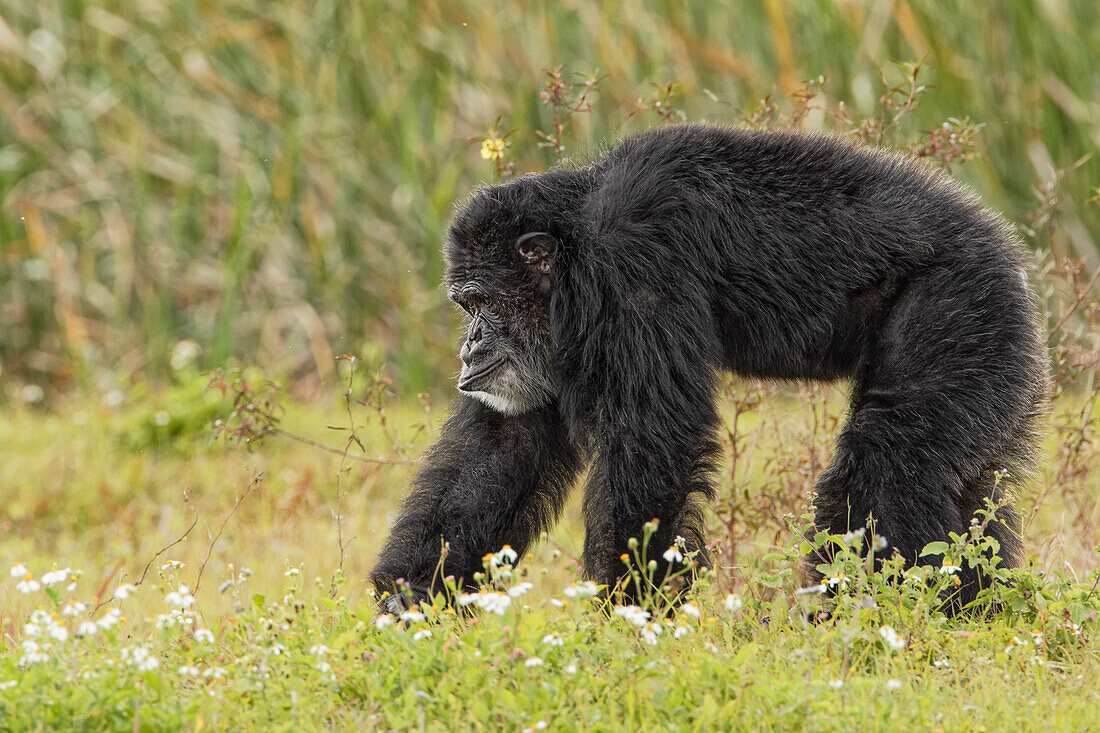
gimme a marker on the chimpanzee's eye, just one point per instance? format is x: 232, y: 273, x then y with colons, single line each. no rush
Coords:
x: 469, y: 298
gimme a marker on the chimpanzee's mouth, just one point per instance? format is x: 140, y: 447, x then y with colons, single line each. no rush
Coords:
x: 473, y: 380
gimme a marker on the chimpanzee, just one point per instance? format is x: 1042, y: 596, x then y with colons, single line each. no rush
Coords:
x: 603, y: 301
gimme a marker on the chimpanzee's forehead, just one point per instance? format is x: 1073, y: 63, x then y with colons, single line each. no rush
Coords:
x: 492, y: 212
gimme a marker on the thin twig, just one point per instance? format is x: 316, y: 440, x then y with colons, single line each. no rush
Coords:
x: 165, y: 549
x: 353, y: 437
x: 252, y: 484
x: 562, y: 548
x: 1084, y: 293
x: 343, y: 453
x: 149, y: 564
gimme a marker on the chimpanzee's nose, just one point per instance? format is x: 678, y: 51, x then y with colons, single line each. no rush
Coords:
x: 473, y: 342
x: 475, y: 332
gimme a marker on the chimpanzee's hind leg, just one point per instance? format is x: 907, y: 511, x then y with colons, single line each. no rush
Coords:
x: 948, y: 395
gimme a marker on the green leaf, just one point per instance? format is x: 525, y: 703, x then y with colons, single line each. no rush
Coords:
x: 934, y: 548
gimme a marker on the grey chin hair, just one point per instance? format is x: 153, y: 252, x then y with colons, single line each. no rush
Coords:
x: 505, y: 405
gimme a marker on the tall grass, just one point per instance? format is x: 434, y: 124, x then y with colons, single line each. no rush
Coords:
x: 272, y: 179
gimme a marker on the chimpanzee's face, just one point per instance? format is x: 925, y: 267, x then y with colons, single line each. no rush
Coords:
x: 498, y: 272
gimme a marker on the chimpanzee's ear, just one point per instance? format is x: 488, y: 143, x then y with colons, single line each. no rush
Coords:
x: 537, y: 249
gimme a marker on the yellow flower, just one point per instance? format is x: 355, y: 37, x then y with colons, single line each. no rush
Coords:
x: 492, y: 148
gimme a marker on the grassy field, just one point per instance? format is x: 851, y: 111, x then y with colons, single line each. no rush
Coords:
x: 272, y: 180
x: 136, y: 493
x: 190, y: 186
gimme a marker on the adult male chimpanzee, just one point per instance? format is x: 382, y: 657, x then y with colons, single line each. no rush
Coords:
x: 602, y: 301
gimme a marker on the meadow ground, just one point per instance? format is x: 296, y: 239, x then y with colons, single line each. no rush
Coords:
x: 253, y: 620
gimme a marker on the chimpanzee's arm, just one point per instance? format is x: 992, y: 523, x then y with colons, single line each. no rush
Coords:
x: 491, y: 480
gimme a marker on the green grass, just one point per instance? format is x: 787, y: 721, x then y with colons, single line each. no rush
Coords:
x: 96, y: 488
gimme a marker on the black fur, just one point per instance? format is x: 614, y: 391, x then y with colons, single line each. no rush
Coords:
x: 693, y: 248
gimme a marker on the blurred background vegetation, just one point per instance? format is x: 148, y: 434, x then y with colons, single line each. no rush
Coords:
x: 272, y: 180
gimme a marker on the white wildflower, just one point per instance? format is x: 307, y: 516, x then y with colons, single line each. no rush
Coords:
x: 318, y: 650
x: 491, y: 601
x: 277, y: 649
x: 32, y: 654
x: 123, y: 591
x: 840, y: 580
x: 571, y: 669
x: 891, y: 637
x: 422, y: 634
x: 939, y: 663
x: 879, y: 543
x: 19, y: 570
x: 28, y: 585
x: 86, y: 628
x: 553, y: 640
x: 292, y: 572
x: 581, y: 590
x: 56, y: 576
x: 557, y: 602
x: 226, y: 585
x: 204, y: 636
x: 383, y: 621
x: 112, y: 617
x: 633, y: 614
x: 690, y: 609
x: 323, y: 667
x: 412, y: 617
x: 854, y: 537
x: 950, y: 569
x: 893, y: 684
x: 8, y: 685
x: 59, y: 632
x: 506, y: 556
x: 819, y: 588
x: 217, y: 673
x: 188, y: 671
x: 181, y: 597
x: 673, y: 554
x: 32, y: 630
x: 175, y: 617
x: 518, y: 590
x: 681, y: 629
x: 650, y: 632
x: 74, y: 608
x: 836, y: 684
x: 532, y: 662
x: 733, y: 603
x: 140, y: 659
x: 172, y: 565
